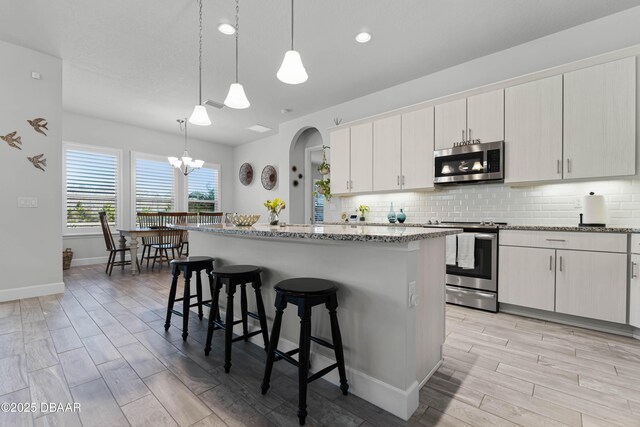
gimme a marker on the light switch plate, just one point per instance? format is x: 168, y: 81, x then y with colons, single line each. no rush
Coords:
x: 413, y: 297
x: 27, y: 202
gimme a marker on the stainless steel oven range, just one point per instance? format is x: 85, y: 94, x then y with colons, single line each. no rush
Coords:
x: 475, y: 287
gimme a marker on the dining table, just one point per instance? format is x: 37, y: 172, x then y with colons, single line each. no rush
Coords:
x: 132, y: 234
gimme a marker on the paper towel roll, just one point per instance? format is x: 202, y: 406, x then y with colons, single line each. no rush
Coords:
x: 594, y: 209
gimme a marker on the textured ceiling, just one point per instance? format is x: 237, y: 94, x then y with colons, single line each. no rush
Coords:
x: 136, y: 61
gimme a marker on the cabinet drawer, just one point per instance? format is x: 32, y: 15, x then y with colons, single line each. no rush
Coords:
x: 579, y: 240
x: 635, y: 243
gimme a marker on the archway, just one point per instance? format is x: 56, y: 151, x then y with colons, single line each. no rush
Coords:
x: 305, y: 146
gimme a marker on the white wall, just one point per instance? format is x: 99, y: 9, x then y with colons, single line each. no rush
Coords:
x: 30, y: 253
x: 93, y: 131
x: 590, y: 39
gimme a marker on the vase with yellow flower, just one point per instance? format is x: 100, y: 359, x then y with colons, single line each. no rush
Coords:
x: 274, y: 207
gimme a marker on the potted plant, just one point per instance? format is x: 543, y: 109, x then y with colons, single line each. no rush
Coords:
x: 363, y: 209
x: 323, y: 187
x: 274, y: 207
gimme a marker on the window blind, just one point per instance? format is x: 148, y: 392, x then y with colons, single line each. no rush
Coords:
x: 318, y: 206
x: 204, y: 190
x: 91, y: 187
x: 154, y: 185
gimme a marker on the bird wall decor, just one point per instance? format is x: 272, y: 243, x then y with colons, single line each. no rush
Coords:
x: 38, y: 124
x: 38, y: 161
x: 13, y: 140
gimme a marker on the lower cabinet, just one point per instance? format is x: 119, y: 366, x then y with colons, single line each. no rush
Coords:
x: 592, y: 284
x: 634, y: 292
x: 527, y: 277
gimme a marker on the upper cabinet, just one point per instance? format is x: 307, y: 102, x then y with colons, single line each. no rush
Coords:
x: 417, y: 149
x: 485, y: 116
x: 600, y: 120
x: 387, y: 161
x: 533, y: 131
x: 477, y: 117
x: 340, y: 141
x: 361, y: 158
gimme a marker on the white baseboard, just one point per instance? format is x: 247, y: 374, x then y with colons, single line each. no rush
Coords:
x: 31, y: 291
x: 401, y: 403
x: 89, y: 261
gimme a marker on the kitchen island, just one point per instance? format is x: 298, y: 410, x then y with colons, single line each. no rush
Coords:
x: 391, y: 297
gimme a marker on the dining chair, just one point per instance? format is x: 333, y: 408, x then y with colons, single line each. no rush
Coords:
x: 169, y: 238
x: 111, y: 246
x: 148, y: 220
x: 192, y: 218
x: 210, y: 217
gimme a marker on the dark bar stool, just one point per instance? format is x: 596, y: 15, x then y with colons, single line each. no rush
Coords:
x: 188, y: 266
x: 305, y: 293
x: 234, y: 276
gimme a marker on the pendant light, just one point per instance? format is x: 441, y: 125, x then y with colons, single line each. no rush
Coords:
x: 236, y: 97
x: 292, y: 71
x: 186, y: 164
x: 199, y: 116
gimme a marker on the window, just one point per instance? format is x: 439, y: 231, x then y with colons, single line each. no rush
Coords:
x: 204, y: 190
x: 318, y: 206
x: 154, y: 184
x: 91, y: 185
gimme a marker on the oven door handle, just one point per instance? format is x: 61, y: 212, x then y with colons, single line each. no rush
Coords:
x: 462, y: 291
x: 485, y: 236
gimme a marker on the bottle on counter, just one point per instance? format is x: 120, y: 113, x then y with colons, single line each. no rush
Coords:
x: 391, y: 216
x: 401, y: 216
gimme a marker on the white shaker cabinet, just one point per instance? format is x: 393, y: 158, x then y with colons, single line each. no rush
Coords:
x: 592, y: 284
x: 600, y: 120
x: 340, y: 142
x: 387, y: 159
x: 634, y: 292
x: 533, y: 131
x: 361, y: 158
x: 527, y: 277
x: 417, y: 149
x: 485, y: 116
x: 450, y: 123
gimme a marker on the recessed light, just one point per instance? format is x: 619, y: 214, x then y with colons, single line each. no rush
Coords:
x: 259, y: 128
x: 226, y: 29
x: 363, y: 37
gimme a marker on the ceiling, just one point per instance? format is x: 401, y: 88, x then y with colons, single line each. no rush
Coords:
x: 136, y: 61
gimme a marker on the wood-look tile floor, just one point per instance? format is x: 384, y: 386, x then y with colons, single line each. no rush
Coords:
x: 102, y: 343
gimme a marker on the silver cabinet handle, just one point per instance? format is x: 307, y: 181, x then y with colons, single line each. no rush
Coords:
x: 555, y: 240
x: 398, y: 180
x: 633, y: 269
x: 483, y: 236
x: 550, y: 262
x: 470, y: 139
x: 402, y: 182
x: 559, y: 166
x: 347, y: 184
x: 350, y: 185
x: 569, y: 165
x: 463, y: 133
x: 560, y: 262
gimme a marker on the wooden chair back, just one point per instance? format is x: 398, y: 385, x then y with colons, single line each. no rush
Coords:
x: 168, y: 235
x: 210, y: 217
x: 106, y: 232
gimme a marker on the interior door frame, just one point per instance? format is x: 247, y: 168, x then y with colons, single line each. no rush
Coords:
x: 308, y: 186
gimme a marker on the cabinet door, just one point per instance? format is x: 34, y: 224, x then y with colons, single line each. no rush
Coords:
x: 600, y: 120
x: 417, y: 149
x: 527, y: 277
x: 485, y: 116
x: 634, y: 293
x: 387, y: 168
x: 340, y: 161
x: 451, y: 123
x: 362, y: 158
x: 533, y: 131
x: 592, y: 284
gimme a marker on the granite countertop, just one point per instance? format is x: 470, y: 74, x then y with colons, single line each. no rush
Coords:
x: 608, y: 229
x: 339, y: 232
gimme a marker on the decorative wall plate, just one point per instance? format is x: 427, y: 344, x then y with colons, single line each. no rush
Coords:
x: 269, y: 177
x: 246, y: 174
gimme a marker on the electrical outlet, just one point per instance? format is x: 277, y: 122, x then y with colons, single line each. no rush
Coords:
x: 27, y: 202
x: 35, y: 75
x: 578, y: 203
x: 413, y: 296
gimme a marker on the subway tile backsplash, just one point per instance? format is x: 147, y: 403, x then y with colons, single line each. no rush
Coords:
x: 548, y: 204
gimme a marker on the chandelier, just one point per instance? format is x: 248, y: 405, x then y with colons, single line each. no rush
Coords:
x: 186, y: 164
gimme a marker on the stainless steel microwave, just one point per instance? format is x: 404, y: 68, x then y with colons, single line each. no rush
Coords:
x: 469, y: 163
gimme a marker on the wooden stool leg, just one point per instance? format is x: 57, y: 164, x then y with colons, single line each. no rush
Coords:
x: 185, y: 304
x: 332, y: 304
x: 303, y: 360
x: 199, y: 294
x: 257, y: 285
x: 281, y: 304
x: 228, y: 326
x: 243, y: 311
x: 172, y: 298
x: 214, y: 313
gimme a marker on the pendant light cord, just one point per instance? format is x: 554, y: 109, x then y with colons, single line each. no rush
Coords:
x: 291, y: 24
x: 200, y: 59
x: 237, y: 33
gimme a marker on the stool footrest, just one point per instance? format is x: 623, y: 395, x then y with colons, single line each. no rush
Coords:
x: 287, y: 356
x: 322, y: 342
x: 322, y: 372
x: 254, y: 315
x: 249, y: 335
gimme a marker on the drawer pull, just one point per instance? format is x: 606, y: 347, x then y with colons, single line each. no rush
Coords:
x: 560, y: 263
x: 555, y: 240
x: 550, y: 262
x: 633, y: 270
